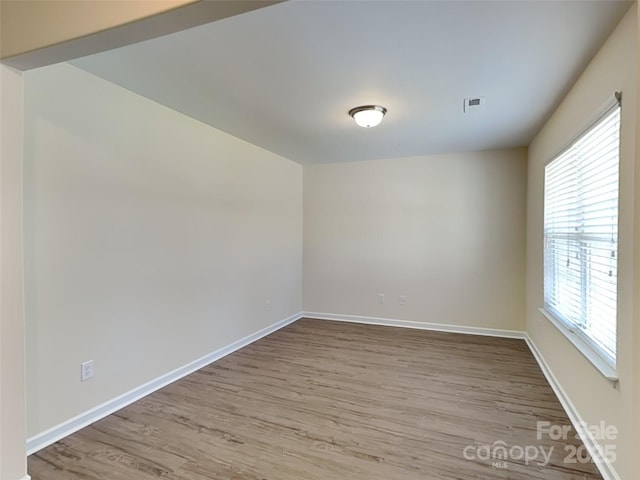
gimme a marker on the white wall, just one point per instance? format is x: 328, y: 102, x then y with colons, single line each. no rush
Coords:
x: 636, y: 328
x: 446, y: 231
x: 150, y: 240
x: 613, y: 68
x: 13, y: 465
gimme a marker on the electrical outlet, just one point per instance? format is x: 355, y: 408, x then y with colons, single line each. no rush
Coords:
x: 86, y: 370
x: 267, y: 304
x: 403, y: 300
x: 381, y: 298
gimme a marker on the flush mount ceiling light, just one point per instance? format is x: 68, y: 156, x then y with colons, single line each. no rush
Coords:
x: 368, y: 116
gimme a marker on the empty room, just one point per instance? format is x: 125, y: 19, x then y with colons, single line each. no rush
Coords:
x: 319, y: 239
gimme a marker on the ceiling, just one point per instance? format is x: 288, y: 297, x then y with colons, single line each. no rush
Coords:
x: 284, y: 77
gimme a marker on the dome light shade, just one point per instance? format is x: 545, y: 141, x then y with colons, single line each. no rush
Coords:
x: 368, y: 116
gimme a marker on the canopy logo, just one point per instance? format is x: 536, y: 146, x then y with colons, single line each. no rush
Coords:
x: 499, y: 453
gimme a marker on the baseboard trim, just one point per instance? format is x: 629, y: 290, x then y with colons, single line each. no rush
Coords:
x: 46, y: 438
x: 605, y: 467
x: 439, y: 327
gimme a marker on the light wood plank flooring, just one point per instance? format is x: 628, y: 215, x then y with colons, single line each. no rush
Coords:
x: 323, y: 400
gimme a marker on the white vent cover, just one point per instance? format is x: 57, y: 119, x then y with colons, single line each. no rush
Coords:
x: 473, y: 104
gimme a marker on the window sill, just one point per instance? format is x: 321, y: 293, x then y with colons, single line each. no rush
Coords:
x: 584, y: 348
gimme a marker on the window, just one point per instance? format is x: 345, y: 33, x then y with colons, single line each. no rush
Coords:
x: 581, y: 238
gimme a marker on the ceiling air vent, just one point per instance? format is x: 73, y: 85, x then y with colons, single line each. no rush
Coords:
x: 473, y: 103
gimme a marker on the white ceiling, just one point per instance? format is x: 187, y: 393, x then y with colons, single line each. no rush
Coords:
x: 283, y: 77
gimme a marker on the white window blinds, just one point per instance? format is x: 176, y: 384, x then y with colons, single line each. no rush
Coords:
x: 581, y: 235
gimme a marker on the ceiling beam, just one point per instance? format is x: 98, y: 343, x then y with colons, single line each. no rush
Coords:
x: 36, y: 33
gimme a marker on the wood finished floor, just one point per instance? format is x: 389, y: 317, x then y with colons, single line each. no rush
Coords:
x: 323, y: 400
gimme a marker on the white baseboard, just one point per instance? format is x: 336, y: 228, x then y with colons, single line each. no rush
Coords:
x: 46, y: 438
x: 58, y: 432
x: 605, y: 467
x: 389, y: 322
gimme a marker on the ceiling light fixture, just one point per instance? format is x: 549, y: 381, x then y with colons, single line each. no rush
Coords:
x: 368, y: 116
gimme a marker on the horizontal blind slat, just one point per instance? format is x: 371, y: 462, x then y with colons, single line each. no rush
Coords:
x: 581, y: 232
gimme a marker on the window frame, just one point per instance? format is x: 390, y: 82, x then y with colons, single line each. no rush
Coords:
x: 576, y: 336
